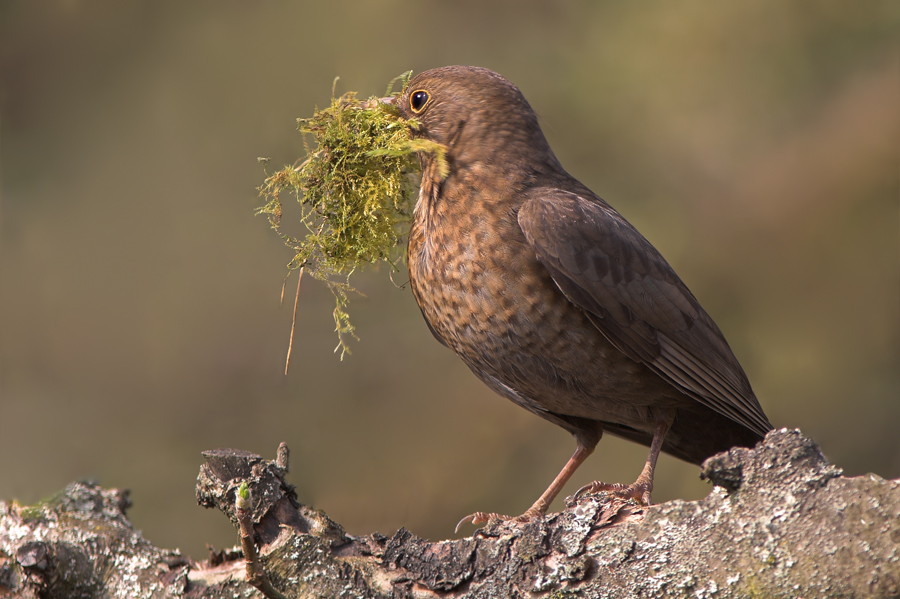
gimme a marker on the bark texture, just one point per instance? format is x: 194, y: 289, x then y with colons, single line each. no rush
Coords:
x: 779, y: 522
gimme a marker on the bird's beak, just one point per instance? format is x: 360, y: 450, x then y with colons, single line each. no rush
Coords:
x: 372, y: 102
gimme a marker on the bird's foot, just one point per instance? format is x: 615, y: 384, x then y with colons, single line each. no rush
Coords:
x: 485, y: 517
x: 638, y: 491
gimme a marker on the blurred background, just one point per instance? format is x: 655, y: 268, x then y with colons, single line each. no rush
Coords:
x: 754, y: 142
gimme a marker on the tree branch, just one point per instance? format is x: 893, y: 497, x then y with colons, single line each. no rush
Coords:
x: 779, y: 522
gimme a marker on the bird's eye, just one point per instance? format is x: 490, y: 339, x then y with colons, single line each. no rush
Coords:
x: 418, y: 100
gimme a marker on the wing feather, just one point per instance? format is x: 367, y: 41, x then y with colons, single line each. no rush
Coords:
x: 632, y: 295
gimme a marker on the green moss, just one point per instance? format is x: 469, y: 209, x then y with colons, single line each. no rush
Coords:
x: 31, y: 513
x: 356, y: 188
x: 38, y: 511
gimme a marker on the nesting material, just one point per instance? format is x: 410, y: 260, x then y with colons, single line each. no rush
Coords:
x: 356, y: 188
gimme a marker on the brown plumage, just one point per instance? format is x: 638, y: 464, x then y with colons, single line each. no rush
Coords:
x: 553, y: 299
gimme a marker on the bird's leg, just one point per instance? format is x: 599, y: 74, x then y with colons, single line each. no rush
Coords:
x: 540, y: 506
x: 640, y: 489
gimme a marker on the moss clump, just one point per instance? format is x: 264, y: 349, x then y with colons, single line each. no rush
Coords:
x: 356, y: 189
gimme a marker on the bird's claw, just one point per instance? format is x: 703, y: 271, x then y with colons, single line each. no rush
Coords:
x: 638, y: 491
x: 479, y: 518
x: 485, y: 517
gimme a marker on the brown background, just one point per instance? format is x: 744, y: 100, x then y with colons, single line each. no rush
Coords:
x: 755, y: 143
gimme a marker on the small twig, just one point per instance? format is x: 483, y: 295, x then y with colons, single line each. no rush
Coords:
x: 287, y: 362
x: 256, y: 573
x: 282, y: 456
x: 391, y: 277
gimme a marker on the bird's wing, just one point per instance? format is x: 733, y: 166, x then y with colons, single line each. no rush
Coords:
x: 631, y: 294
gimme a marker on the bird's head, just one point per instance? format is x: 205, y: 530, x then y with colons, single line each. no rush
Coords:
x: 476, y: 113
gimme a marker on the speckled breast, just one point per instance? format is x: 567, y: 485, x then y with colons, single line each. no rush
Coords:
x: 485, y: 295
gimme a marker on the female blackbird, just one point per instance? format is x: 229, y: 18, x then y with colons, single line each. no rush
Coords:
x: 552, y: 298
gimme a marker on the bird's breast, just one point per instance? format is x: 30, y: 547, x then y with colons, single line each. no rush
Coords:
x: 473, y: 274
x: 481, y: 288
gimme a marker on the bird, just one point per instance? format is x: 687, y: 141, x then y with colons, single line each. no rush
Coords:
x: 552, y: 298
